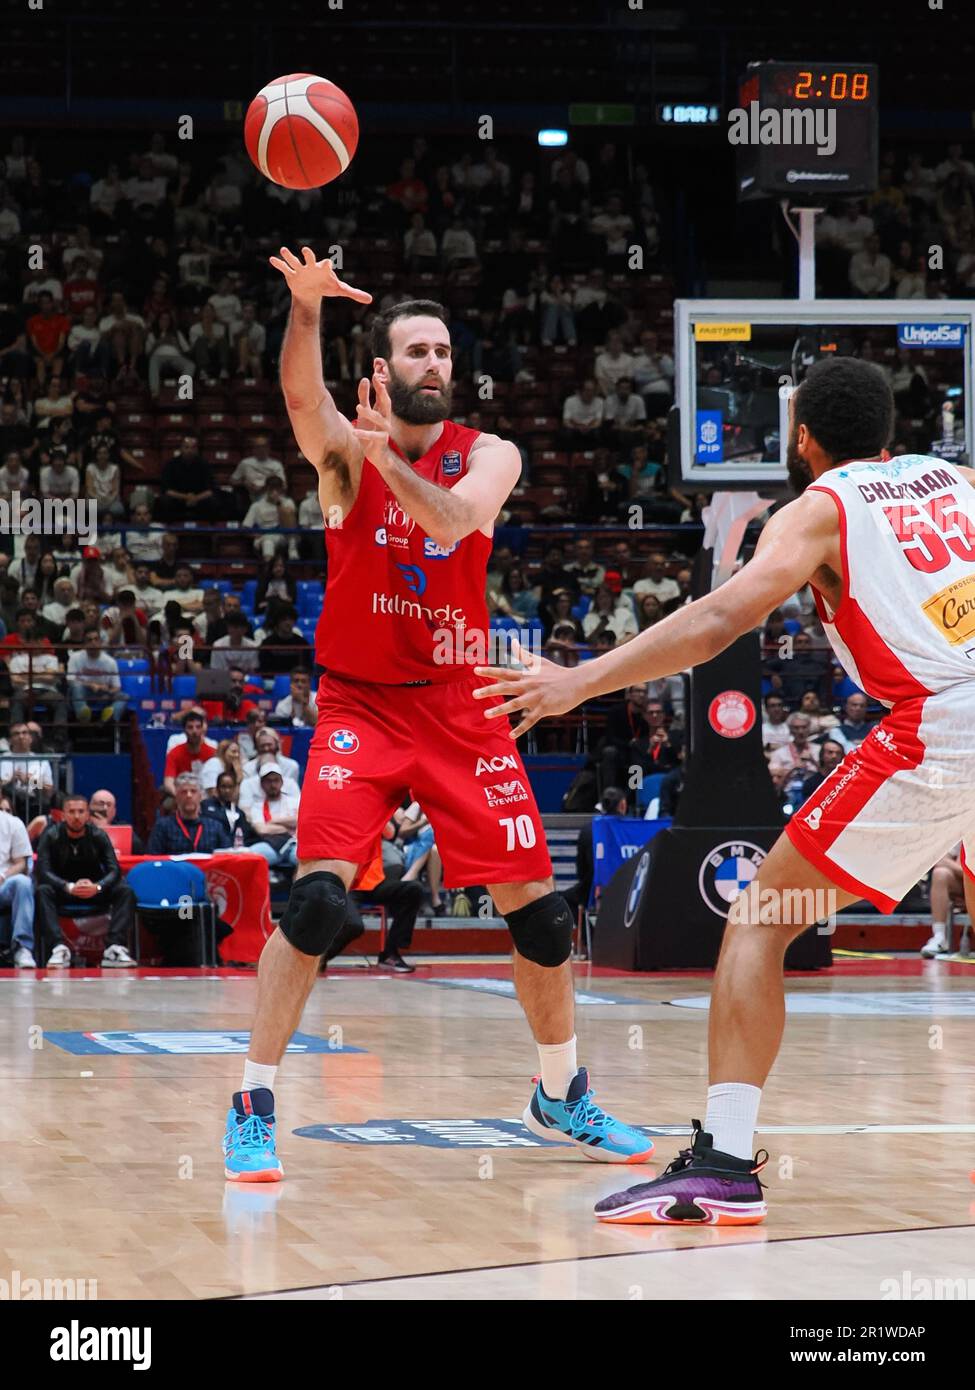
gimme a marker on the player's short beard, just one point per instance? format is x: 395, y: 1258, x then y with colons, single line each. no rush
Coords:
x: 800, y: 474
x: 410, y: 404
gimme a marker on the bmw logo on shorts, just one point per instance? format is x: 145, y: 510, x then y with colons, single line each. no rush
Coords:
x: 343, y: 741
x: 726, y: 871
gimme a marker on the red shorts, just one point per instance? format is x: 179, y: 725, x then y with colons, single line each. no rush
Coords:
x: 373, y: 745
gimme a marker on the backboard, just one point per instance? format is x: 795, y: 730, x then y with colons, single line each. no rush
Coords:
x: 736, y: 362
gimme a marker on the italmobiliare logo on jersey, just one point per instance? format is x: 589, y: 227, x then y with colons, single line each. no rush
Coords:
x: 445, y: 615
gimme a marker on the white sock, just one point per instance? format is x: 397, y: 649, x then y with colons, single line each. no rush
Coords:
x: 256, y: 1075
x: 731, y: 1117
x: 940, y: 930
x: 559, y: 1066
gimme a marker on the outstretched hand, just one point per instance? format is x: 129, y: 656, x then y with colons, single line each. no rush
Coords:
x: 310, y: 280
x: 373, y: 421
x: 541, y: 690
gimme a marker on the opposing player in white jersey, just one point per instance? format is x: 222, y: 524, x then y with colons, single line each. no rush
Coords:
x: 889, y: 548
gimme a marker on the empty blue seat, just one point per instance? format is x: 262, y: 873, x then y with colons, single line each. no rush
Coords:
x: 248, y: 593
x: 132, y: 666
x: 137, y: 687
x: 280, y: 688
x: 224, y: 585
x: 184, y: 687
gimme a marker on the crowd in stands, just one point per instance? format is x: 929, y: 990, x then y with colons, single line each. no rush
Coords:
x: 137, y: 367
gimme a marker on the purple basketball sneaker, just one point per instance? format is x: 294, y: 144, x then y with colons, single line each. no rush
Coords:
x: 701, y: 1187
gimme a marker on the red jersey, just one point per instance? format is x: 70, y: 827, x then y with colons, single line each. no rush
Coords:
x: 398, y: 607
x: 181, y: 758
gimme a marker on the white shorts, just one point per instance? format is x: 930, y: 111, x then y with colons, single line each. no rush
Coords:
x: 898, y: 803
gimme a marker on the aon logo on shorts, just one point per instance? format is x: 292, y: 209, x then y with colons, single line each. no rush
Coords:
x: 501, y: 762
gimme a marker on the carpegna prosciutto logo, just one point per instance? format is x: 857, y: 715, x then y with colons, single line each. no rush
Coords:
x: 731, y: 714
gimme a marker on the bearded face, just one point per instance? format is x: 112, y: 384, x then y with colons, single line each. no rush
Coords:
x: 419, y: 403
x: 800, y: 474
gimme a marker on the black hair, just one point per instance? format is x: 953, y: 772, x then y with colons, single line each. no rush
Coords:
x: 847, y: 406
x: 610, y: 800
x: 379, y: 343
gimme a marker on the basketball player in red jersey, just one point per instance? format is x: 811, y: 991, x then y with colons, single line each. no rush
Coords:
x: 889, y: 548
x: 409, y: 500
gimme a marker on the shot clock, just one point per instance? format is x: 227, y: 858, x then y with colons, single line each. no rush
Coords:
x: 811, y: 130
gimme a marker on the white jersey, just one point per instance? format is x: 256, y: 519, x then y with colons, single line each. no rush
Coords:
x: 905, y: 627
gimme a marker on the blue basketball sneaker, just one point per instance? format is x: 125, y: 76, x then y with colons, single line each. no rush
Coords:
x: 582, y: 1122
x: 248, y: 1144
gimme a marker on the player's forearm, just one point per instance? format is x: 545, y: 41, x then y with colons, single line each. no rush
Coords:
x: 691, y: 635
x: 302, y: 379
x: 445, y: 517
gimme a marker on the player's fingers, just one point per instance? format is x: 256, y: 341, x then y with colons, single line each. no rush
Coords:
x: 350, y: 292
x: 517, y: 702
x: 290, y: 258
x: 495, y: 673
x: 382, y: 395
x: 529, y: 659
x: 364, y: 391
x: 309, y: 256
x: 279, y: 264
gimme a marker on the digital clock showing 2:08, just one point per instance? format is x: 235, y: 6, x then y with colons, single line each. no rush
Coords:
x: 813, y: 82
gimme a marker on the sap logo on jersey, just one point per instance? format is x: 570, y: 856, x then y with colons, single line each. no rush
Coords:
x: 433, y: 551
x: 332, y: 772
x: 504, y: 793
x: 501, y: 762
x: 343, y: 741
x: 413, y: 577
x: 450, y: 464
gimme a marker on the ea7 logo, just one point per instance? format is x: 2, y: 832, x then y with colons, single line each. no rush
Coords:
x: 331, y: 772
x: 499, y: 763
x: 504, y: 793
x: 814, y: 817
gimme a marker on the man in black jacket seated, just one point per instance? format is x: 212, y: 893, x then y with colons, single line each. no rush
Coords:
x: 76, y: 866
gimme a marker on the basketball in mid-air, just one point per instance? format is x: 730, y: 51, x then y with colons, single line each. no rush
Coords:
x: 301, y: 131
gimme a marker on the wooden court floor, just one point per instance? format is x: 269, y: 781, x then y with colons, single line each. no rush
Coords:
x: 112, y: 1171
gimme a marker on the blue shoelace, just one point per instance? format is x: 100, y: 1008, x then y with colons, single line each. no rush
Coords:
x: 585, y: 1114
x: 253, y: 1132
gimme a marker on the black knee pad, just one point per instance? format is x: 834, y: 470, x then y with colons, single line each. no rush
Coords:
x: 542, y: 930
x: 315, y: 913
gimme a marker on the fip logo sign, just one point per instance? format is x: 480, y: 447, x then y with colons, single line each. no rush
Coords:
x: 710, y: 443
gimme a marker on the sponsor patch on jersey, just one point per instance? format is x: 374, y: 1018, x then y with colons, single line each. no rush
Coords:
x: 433, y: 551
x: 450, y: 463
x: 952, y: 611
x: 413, y: 577
x: 343, y: 741
x: 505, y: 793
x: 499, y: 763
x: 333, y: 772
x: 380, y: 535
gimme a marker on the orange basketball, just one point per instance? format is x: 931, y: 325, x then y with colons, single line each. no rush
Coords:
x: 301, y: 131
